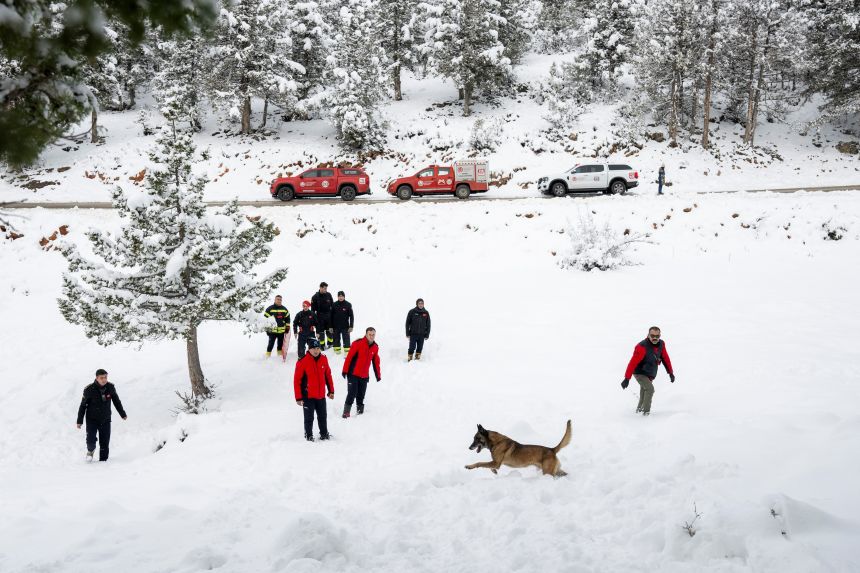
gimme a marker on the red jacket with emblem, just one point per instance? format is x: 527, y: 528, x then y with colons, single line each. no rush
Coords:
x: 361, y: 356
x: 312, y: 377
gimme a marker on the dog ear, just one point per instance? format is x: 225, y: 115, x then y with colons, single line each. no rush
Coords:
x: 482, y: 430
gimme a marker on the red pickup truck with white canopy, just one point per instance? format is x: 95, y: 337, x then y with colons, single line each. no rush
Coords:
x: 460, y: 179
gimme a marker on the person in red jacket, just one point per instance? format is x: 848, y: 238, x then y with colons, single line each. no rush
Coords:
x: 363, y: 354
x: 647, y: 357
x: 312, y: 378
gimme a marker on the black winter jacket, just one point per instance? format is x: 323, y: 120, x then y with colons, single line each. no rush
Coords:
x: 418, y: 322
x: 96, y: 403
x: 341, y: 315
x: 305, y: 322
x: 321, y: 303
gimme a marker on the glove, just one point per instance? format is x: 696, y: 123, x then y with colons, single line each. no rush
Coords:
x: 672, y: 378
x: 350, y: 330
x: 331, y: 331
x: 379, y: 379
x: 624, y: 383
x: 343, y: 374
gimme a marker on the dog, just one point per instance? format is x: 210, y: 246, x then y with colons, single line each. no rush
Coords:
x: 506, y: 451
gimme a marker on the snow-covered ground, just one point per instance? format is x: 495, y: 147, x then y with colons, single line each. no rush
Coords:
x: 427, y: 127
x: 760, y: 432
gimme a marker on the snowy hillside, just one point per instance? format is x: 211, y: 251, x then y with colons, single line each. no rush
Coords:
x: 427, y: 127
x: 760, y: 432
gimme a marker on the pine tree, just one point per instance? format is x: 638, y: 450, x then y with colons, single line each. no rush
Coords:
x: 177, y: 85
x: 356, y: 76
x: 556, y: 24
x: 397, y: 27
x: 462, y: 40
x: 520, y: 21
x: 565, y: 93
x: 834, y: 64
x: 610, y: 39
x: 171, y: 265
x: 42, y: 94
x: 311, y: 35
x: 250, y: 57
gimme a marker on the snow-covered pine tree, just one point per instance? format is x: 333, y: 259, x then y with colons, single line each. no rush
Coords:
x: 178, y: 84
x: 565, y: 94
x: 610, y: 39
x: 249, y: 56
x: 101, y: 76
x: 462, y: 41
x: 834, y: 64
x: 557, y: 24
x: 520, y: 21
x: 715, y: 15
x: 171, y: 265
x: 311, y: 35
x: 397, y: 27
x: 356, y: 76
x: 669, y: 33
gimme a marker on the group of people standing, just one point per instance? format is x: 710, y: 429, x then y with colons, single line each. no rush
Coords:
x: 324, y: 323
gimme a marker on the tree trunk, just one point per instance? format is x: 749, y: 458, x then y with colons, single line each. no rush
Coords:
x: 195, y: 372
x: 467, y: 100
x: 398, y: 96
x: 751, y: 82
x: 94, y: 128
x: 246, y: 115
x: 752, y: 116
x: 706, y: 105
x: 673, y: 118
x: 265, y: 112
x: 460, y: 93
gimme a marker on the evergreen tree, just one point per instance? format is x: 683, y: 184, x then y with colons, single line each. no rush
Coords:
x: 520, y: 21
x: 311, y: 35
x: 610, y: 39
x: 46, y: 44
x: 565, y: 93
x: 171, y: 265
x: 398, y: 24
x: 462, y: 40
x: 250, y: 57
x: 356, y: 75
x: 557, y: 24
x: 177, y: 85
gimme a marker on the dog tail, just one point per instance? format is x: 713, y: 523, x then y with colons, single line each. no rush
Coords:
x: 564, y: 441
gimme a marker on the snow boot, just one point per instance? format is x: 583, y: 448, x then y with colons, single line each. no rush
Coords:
x: 638, y: 410
x: 90, y: 455
x: 409, y: 359
x: 360, y: 409
x: 337, y: 350
x: 646, y: 413
x: 325, y: 436
x: 268, y: 354
x: 417, y: 356
x: 346, y: 410
x: 309, y: 438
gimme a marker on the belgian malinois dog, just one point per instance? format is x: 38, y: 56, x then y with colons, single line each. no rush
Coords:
x: 506, y: 451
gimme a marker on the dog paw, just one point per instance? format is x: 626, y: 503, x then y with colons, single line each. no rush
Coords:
x: 468, y: 467
x: 495, y: 471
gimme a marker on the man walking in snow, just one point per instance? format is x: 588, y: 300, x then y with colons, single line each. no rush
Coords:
x: 341, y: 321
x: 647, y: 356
x: 304, y: 326
x: 95, y: 405
x: 356, y: 370
x: 417, y: 329
x: 661, y: 178
x: 312, y: 378
x: 321, y: 303
x: 281, y: 316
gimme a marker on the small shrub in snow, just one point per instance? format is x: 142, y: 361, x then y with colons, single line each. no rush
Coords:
x: 486, y: 135
x: 597, y: 247
x: 689, y: 526
x: 193, y: 404
x: 832, y: 231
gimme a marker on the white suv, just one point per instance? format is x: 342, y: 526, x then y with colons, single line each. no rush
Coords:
x: 614, y: 178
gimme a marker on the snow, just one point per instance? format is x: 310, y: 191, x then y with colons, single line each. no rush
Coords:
x: 760, y: 431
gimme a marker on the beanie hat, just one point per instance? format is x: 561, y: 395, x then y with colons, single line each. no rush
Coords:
x: 306, y: 303
x: 313, y: 343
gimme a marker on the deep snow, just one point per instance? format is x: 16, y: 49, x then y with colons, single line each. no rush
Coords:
x: 763, y: 416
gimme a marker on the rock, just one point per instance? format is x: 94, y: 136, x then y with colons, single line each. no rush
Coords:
x: 848, y: 147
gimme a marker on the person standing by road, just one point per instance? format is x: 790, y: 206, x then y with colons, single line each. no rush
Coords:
x: 661, y: 178
x: 356, y: 370
x: 342, y: 320
x: 647, y: 357
x: 417, y: 329
x: 95, y: 406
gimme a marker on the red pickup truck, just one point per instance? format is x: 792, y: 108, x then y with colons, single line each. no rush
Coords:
x: 346, y: 182
x: 461, y: 179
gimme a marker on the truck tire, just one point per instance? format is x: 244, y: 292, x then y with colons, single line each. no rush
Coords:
x: 617, y: 187
x: 347, y: 192
x: 462, y: 191
x: 404, y: 192
x: 558, y: 189
x: 286, y: 193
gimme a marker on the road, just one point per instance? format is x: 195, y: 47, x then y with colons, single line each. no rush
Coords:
x: 336, y: 201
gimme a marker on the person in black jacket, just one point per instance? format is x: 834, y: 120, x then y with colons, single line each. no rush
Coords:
x: 282, y: 325
x: 304, y: 325
x: 322, y: 303
x: 96, y: 406
x: 417, y: 329
x: 342, y: 320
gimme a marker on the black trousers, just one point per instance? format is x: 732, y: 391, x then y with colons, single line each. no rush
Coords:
x: 311, y: 405
x: 273, y: 336
x: 355, y: 389
x: 341, y: 334
x: 303, y: 341
x: 416, y: 343
x: 323, y: 326
x: 102, y: 428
